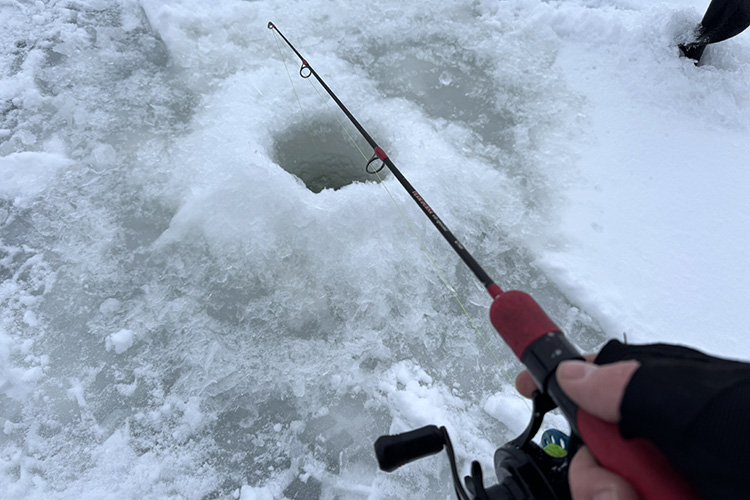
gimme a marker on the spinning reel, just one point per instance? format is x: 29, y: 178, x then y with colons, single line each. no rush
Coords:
x: 524, y: 470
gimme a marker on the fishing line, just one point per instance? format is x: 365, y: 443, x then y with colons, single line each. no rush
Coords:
x: 376, y: 172
x: 288, y: 74
x: 424, y: 248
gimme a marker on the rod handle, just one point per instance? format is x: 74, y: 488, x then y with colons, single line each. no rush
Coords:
x: 541, y: 346
x: 638, y: 461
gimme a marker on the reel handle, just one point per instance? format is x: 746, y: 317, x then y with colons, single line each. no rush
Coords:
x: 541, y: 346
x: 399, y: 449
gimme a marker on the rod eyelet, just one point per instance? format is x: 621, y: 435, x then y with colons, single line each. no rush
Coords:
x: 372, y: 170
x: 304, y: 70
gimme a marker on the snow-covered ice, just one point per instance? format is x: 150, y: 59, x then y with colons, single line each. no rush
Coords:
x: 203, y: 295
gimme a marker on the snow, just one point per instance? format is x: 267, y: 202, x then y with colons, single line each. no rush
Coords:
x: 182, y: 317
x: 672, y: 200
x: 120, y: 341
x: 26, y: 174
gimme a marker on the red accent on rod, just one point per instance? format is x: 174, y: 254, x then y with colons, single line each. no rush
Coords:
x: 380, y: 153
x: 494, y: 290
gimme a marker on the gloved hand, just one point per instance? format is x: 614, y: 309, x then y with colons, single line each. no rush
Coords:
x: 692, y: 406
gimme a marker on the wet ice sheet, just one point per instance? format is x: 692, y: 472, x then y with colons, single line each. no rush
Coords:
x: 183, y: 317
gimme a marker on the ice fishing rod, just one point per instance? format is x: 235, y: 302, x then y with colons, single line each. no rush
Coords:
x: 541, y: 346
x: 305, y: 72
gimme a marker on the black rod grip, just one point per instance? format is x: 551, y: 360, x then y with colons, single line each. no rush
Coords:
x: 399, y: 449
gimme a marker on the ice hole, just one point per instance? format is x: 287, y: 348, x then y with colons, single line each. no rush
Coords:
x: 321, y: 154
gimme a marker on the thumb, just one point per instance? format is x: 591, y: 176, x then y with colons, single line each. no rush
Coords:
x: 598, y: 389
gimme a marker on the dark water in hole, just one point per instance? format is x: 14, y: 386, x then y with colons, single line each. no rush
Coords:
x: 322, y: 156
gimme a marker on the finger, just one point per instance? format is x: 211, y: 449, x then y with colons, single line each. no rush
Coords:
x: 589, y: 481
x: 596, y: 389
x: 526, y: 385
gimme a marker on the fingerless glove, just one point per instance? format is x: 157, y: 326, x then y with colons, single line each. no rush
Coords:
x: 695, y: 408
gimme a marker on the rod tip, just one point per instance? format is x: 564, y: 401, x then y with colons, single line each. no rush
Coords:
x: 270, y: 25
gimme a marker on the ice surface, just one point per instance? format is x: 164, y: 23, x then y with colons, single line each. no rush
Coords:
x: 203, y: 295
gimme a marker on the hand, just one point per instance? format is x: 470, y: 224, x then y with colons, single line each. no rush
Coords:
x: 599, y: 391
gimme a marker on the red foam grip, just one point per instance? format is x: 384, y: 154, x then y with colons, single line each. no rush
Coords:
x: 494, y: 290
x: 519, y: 320
x: 636, y: 460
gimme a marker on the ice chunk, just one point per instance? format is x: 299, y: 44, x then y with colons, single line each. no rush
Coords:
x: 25, y: 175
x: 121, y: 341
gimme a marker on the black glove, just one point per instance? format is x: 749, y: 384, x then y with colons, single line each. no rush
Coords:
x: 695, y: 408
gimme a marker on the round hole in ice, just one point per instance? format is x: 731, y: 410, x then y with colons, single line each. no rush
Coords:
x: 321, y: 154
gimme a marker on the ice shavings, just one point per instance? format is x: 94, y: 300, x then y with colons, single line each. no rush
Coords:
x: 25, y: 175
x: 121, y: 341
